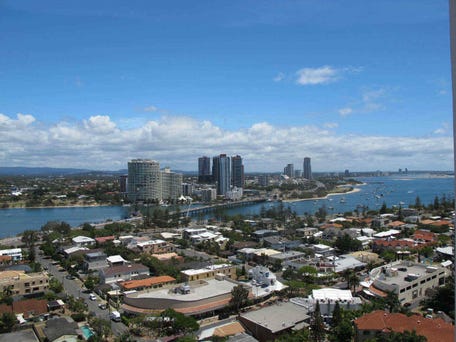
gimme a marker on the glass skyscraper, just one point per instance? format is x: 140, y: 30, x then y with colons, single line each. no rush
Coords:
x: 307, y: 169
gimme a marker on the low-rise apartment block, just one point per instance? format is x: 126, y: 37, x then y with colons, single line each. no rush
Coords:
x: 155, y: 247
x: 14, y: 253
x: 209, y: 272
x: 21, y: 283
x: 408, y: 280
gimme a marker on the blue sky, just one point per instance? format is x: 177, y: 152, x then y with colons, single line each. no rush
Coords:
x: 359, y: 85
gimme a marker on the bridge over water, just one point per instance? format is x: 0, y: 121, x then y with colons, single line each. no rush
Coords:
x: 208, y: 208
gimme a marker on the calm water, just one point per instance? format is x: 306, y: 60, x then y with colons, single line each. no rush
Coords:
x: 14, y: 221
x: 400, y: 190
x: 391, y: 190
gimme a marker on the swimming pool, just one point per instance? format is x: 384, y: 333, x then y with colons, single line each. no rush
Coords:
x: 87, y: 332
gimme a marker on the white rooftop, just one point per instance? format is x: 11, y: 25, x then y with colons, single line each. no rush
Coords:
x: 75, y: 249
x: 331, y: 294
x: 150, y: 242
x: 322, y: 247
x: 115, y: 259
x: 387, y: 233
x: 445, y: 250
x: 11, y: 251
x: 204, y: 270
x: 82, y: 239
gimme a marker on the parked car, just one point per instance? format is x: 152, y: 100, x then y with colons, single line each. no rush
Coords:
x: 115, y: 316
x: 102, y: 306
x: 92, y: 296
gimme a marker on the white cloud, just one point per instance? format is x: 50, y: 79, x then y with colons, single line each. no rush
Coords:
x: 150, y: 109
x: 331, y: 125
x: 322, y: 75
x: 99, y: 143
x: 371, y: 100
x: 345, y: 111
x: 100, y: 124
x: 280, y: 76
x: 444, y: 129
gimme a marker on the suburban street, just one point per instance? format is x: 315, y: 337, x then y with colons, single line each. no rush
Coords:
x: 75, y: 288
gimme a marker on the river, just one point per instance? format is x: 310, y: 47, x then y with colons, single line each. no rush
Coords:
x: 393, y: 190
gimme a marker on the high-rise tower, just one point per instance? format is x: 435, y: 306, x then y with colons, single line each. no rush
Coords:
x: 237, y: 172
x: 144, y: 180
x: 221, y: 171
x: 204, y: 169
x: 289, y: 170
x: 307, y: 169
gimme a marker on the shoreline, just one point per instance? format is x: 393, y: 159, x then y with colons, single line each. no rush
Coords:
x: 325, y: 197
x: 66, y: 206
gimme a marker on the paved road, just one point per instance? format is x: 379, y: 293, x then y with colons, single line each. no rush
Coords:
x: 75, y: 288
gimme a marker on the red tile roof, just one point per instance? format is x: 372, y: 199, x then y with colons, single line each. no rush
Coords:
x: 437, y: 223
x: 103, y: 239
x: 424, y: 235
x: 4, y: 258
x: 395, y: 224
x: 134, y: 284
x: 30, y: 307
x: 394, y: 243
x: 27, y: 307
x: 435, y: 330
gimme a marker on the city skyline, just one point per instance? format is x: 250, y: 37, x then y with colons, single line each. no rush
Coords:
x: 359, y: 86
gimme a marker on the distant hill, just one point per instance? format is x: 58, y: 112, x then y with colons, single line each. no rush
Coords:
x: 39, y: 171
x: 54, y: 171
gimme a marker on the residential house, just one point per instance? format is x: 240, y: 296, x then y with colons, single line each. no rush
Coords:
x: 124, y: 272
x: 83, y: 241
x: 94, y: 261
x: 270, y: 322
x: 14, y: 253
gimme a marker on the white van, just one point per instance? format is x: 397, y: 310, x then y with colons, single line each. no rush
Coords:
x: 92, y: 296
x: 115, y: 316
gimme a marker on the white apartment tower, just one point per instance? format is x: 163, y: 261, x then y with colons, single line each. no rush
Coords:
x: 146, y: 182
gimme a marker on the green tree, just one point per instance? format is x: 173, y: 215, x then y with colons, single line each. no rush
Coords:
x: 308, y: 273
x: 317, y: 327
x: 29, y: 238
x: 436, y: 203
x: 295, y: 336
x: 336, y: 315
x: 55, y: 285
x: 343, y: 332
x: 173, y: 323
x: 392, y: 301
x: 239, y: 297
x: 418, y: 203
x: 442, y: 299
x: 91, y: 282
x: 346, y: 244
x: 101, y: 327
x: 59, y: 227
x: 7, y: 321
